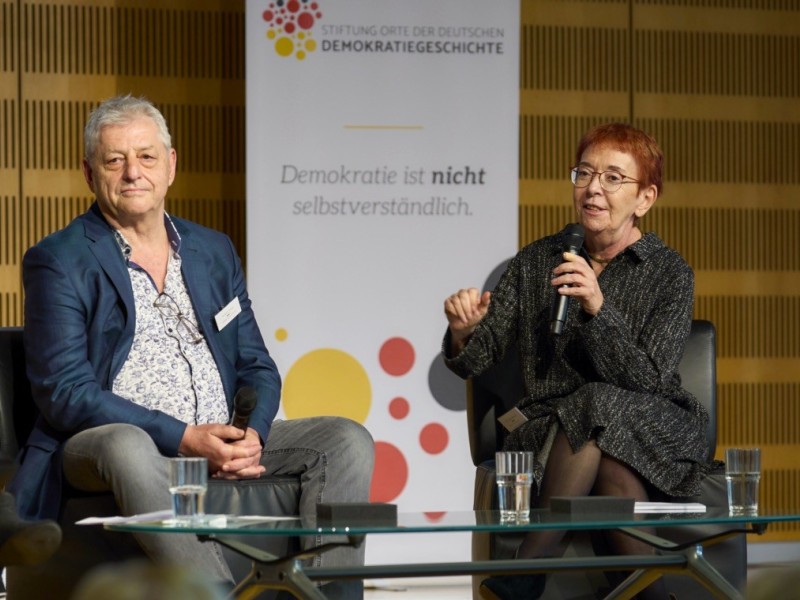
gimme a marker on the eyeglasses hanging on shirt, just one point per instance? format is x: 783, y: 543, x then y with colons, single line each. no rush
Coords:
x: 175, y: 321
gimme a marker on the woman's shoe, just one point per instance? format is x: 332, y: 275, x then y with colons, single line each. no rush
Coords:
x: 514, y: 587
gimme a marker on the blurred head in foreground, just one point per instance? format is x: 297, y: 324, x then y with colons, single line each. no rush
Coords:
x: 143, y: 580
x: 779, y: 582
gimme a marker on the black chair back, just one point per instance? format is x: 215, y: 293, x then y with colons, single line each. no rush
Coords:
x: 17, y: 409
x: 698, y: 371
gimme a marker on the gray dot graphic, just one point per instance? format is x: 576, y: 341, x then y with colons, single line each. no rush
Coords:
x: 447, y: 388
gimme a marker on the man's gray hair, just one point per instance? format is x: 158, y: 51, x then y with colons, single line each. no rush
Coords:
x: 121, y: 110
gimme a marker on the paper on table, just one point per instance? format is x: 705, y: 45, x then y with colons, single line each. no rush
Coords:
x: 158, y: 515
x: 669, y: 507
x: 263, y: 518
x: 163, y: 515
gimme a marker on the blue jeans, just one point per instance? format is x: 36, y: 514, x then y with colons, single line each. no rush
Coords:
x: 333, y: 456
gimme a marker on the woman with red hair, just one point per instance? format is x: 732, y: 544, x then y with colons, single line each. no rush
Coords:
x: 605, y: 411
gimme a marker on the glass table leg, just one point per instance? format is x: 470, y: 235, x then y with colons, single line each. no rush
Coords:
x: 275, y: 572
x: 696, y: 566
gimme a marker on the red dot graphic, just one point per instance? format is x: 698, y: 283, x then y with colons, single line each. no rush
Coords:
x: 399, y: 408
x: 390, y: 475
x: 433, y: 438
x: 396, y: 356
x: 268, y: 15
x: 305, y: 20
x: 289, y: 28
x: 293, y: 6
x: 434, y: 517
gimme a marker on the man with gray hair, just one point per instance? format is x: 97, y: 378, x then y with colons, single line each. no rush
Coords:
x: 138, y: 332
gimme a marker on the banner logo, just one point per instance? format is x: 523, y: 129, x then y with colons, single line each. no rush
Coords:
x: 290, y: 26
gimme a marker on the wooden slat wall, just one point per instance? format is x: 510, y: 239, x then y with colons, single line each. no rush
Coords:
x: 717, y: 82
x: 10, y: 300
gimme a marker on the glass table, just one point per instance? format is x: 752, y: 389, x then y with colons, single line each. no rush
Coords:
x: 288, y: 573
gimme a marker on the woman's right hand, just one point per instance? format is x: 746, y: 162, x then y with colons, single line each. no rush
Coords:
x: 464, y: 310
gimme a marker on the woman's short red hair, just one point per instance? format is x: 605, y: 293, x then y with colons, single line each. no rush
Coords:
x: 627, y: 138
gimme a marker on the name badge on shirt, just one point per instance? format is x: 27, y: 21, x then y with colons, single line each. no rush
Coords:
x: 227, y: 314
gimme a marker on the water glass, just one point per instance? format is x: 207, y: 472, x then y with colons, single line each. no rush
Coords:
x: 188, y: 481
x: 514, y: 478
x: 742, y: 474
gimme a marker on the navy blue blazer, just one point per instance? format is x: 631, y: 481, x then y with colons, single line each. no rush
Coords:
x: 79, y: 326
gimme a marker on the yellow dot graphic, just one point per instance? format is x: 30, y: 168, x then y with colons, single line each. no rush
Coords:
x: 327, y: 382
x: 284, y: 46
x: 271, y: 34
x: 281, y: 334
x: 311, y: 45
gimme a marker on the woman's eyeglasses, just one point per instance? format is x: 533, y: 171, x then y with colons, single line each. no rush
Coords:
x: 610, y: 181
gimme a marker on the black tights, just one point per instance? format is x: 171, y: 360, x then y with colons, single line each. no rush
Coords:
x: 588, y: 471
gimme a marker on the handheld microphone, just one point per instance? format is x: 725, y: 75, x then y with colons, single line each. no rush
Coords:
x: 573, y: 242
x: 243, y: 405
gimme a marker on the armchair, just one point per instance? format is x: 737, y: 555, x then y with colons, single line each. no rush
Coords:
x: 497, y: 390
x: 84, y: 547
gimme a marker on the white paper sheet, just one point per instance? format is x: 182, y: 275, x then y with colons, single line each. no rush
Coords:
x: 164, y: 515
x: 669, y: 507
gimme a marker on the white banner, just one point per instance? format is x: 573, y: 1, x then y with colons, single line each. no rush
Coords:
x: 381, y: 177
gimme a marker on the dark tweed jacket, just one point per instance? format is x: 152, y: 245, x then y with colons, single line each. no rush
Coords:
x: 613, y: 376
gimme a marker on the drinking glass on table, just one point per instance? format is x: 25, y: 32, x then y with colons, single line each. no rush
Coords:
x: 514, y: 471
x: 188, y: 481
x: 742, y: 473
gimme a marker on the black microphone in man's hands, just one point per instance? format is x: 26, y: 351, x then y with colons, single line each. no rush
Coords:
x: 243, y: 405
x: 573, y: 242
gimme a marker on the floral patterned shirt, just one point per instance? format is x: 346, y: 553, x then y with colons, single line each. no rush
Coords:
x: 170, y: 367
